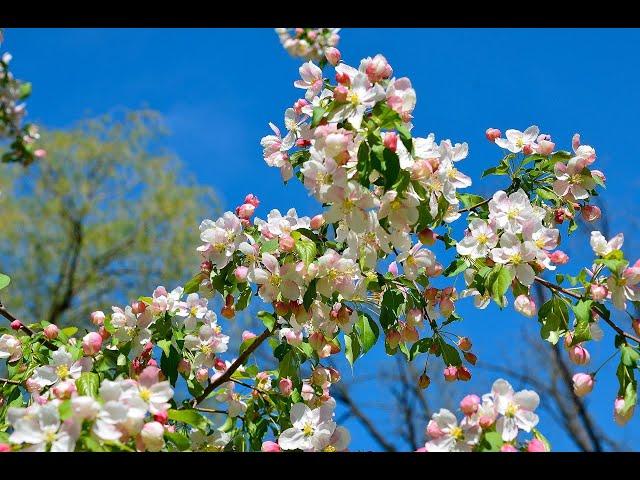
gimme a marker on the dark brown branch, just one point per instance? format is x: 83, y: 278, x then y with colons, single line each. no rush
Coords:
x: 233, y: 367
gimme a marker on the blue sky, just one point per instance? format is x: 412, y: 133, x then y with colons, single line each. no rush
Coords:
x: 218, y: 89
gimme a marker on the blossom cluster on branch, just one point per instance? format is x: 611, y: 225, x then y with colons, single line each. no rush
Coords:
x: 365, y: 266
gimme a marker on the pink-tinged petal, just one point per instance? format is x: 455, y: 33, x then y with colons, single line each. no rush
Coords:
x: 561, y: 187
x: 527, y: 399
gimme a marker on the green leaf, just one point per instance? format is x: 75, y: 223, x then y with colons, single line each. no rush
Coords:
x: 613, y: 265
x: 70, y: 331
x: 391, y: 300
x: 269, y: 246
x: 169, y: 364
x: 554, y: 317
x: 629, y: 356
x: 582, y: 311
x: 310, y: 294
x: 193, y: 285
x: 421, y: 346
x: 497, y: 283
x: 364, y: 165
x: 630, y: 397
x: 450, y: 354
x: 542, y: 438
x: 470, y: 200
x: 165, y: 345
x: 268, y: 319
x: 368, y: 331
x: 180, y: 441
x: 244, y: 299
x: 306, y: 250
x: 88, y: 384
x: 65, y: 410
x: 457, y: 266
x: 352, y: 347
x: 492, y: 442
x: 289, y: 365
x: 318, y: 112
x: 5, y: 280
x: 190, y: 417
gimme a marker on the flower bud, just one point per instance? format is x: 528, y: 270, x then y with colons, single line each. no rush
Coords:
x: 5, y: 447
x: 16, y: 325
x: 463, y: 374
x: 241, y: 273
x: 245, y: 211
x: 202, y: 374
x: 184, y: 366
x: 343, y: 79
x: 246, y: 335
x: 558, y: 257
x: 390, y: 140
x: 32, y: 385
x: 424, y: 381
x: 91, y: 343
x: 527, y: 149
x: 599, y: 175
x: 485, y: 422
x: 286, y: 386
x: 492, y: 134
x: 464, y: 344
x: 317, y: 222
x: 270, y: 446
x: 51, y: 331
x: 545, y: 147
x: 161, y: 417
x: 536, y: 445
x: 393, y: 269
x: 450, y: 373
x: 378, y: 69
x: 103, y: 333
x: 582, y: 384
x: 316, y: 340
x: 152, y: 435
x: 287, y: 243
x: 635, y: 324
x: 598, y: 292
x: 414, y: 317
x: 469, y: 404
x: 219, y: 365
x: 579, y: 355
x: 64, y: 390
x: 427, y: 237
x: 446, y: 307
x: 591, y: 213
x: 333, y: 55
x: 618, y: 415
x: 228, y: 311
x: 525, y: 305
x: 340, y: 93
x: 97, y: 317
x: 251, y: 198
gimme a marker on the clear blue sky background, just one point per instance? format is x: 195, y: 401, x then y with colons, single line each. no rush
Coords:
x: 218, y: 89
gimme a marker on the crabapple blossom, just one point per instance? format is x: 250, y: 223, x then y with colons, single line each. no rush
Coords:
x: 516, y: 140
x: 582, y: 384
x: 10, y: 348
x: 517, y: 409
x: 525, y: 305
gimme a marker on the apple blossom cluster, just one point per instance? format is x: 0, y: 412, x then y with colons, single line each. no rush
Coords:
x: 490, y: 423
x: 13, y: 93
x: 309, y: 43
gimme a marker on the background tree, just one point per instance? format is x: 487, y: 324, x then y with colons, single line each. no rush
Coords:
x: 107, y: 213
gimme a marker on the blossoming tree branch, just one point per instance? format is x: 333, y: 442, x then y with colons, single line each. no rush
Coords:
x: 359, y: 272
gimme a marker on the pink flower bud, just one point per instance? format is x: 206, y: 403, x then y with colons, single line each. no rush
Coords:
x: 485, y: 422
x: 527, y: 149
x: 618, y: 415
x: 393, y: 338
x: 293, y: 338
x: 433, y: 430
x: 598, y: 292
x: 333, y: 55
x: 469, y: 404
x: 241, y: 273
x: 393, y: 269
x: 317, y: 222
x: 378, y: 69
x: 40, y: 153
x: 270, y: 446
x: 579, y: 355
x: 97, y: 317
x: 160, y: 292
x: 287, y: 243
x: 16, y: 325
x: 103, y: 333
x: 51, y: 331
x: 246, y: 335
x: 450, y: 373
x: 391, y: 140
x: 559, y: 257
x: 536, y: 445
x: 251, y: 198
x: 582, y: 384
x: 591, y: 213
x: 434, y: 269
x: 525, y: 305
x: 161, y: 417
x: 343, y: 79
x: 427, y: 237
x: 64, y: 390
x: 545, y: 147
x: 297, y: 107
x: 138, y: 307
x: 91, y: 343
x: 202, y: 374
x: 508, y: 448
x: 184, y: 366
x: 286, y: 386
x: 245, y: 211
x: 152, y: 436
x: 410, y: 334
x: 340, y: 93
x: 492, y: 134
x: 219, y: 365
x: 446, y: 307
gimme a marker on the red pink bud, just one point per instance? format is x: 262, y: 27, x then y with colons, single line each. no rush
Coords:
x: 245, y: 211
x: 251, y: 198
x: 16, y: 325
x: 545, y: 147
x: 469, y: 404
x: 492, y: 134
x: 51, y: 332
x: 287, y: 243
x: 97, y: 317
x: 470, y: 357
x: 391, y: 141
x: 450, y: 373
x: 333, y: 55
x: 598, y: 292
x: 591, y: 213
x: 582, y: 384
x: 91, y: 343
x: 536, y: 445
x: 427, y: 237
x: 270, y: 447
x: 286, y: 386
x: 559, y: 257
x: 463, y: 374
